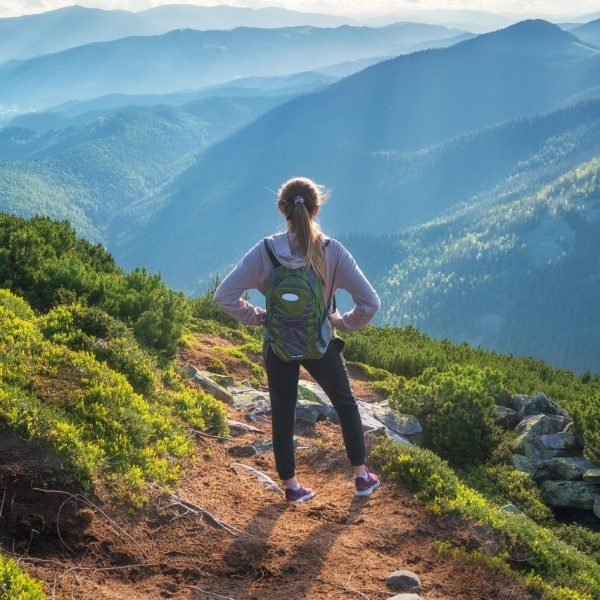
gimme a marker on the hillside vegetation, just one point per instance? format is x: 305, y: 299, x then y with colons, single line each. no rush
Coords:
x: 86, y: 371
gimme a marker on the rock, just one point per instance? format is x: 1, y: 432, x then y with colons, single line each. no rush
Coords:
x: 245, y: 383
x: 369, y: 422
x: 506, y: 417
x: 313, y: 403
x: 596, y: 507
x: 253, y: 400
x: 531, y: 464
x: 569, y: 467
x: 563, y: 440
x: 506, y: 400
x: 403, y: 580
x: 592, y: 475
x: 223, y: 380
x: 574, y: 494
x: 400, y: 424
x: 406, y: 597
x: 239, y: 427
x: 267, y: 446
x: 396, y: 437
x: 242, y: 451
x: 540, y: 403
x: 518, y: 404
x: 511, y: 508
x: 531, y: 427
x: 209, y: 386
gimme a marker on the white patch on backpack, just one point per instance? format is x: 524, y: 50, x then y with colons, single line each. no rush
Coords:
x: 290, y: 297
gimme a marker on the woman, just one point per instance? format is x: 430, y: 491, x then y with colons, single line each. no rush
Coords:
x: 303, y: 244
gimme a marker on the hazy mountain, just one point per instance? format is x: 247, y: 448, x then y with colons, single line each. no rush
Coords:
x: 519, y: 276
x: 348, y: 136
x: 33, y: 35
x: 92, y: 167
x: 471, y: 20
x: 589, y: 32
x: 284, y: 87
x: 188, y: 59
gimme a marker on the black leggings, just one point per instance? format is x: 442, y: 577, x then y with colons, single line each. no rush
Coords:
x: 331, y: 374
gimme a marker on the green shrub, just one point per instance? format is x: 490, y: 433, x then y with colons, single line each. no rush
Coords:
x: 456, y: 409
x: 93, y: 330
x: 16, y: 585
x: 503, y: 485
x: 89, y: 413
x: 417, y: 469
x: 216, y: 365
x: 587, y: 420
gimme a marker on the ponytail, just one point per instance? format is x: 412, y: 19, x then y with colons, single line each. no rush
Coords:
x: 298, y: 198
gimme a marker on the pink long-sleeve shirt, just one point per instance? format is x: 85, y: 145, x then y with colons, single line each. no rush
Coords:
x: 341, y: 271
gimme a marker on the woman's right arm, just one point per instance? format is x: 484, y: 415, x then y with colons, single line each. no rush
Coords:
x: 248, y: 274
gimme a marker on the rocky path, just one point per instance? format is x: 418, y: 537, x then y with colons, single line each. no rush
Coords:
x: 335, y: 546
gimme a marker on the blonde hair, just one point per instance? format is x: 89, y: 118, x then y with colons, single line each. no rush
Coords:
x: 298, y: 198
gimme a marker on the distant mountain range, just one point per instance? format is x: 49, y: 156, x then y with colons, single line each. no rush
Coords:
x: 189, y: 59
x: 53, y: 31
x: 348, y: 136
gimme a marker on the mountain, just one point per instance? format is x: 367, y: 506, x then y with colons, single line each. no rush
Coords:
x: 347, y: 137
x: 90, y: 168
x: 32, y: 35
x: 589, y: 32
x: 518, y: 275
x: 188, y: 59
x: 472, y: 20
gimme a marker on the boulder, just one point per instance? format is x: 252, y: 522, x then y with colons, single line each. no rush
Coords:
x: 506, y: 417
x: 403, y: 580
x: 505, y: 399
x: 592, y: 475
x: 400, y: 424
x: 532, y: 464
x: 238, y: 427
x: 267, y: 446
x: 596, y: 507
x: 531, y: 427
x: 511, y: 508
x: 223, y: 380
x: 406, y: 596
x: 568, y: 467
x: 210, y: 387
x: 563, y: 440
x: 518, y: 404
x: 252, y: 400
x: 313, y: 404
x: 573, y: 494
x: 541, y: 404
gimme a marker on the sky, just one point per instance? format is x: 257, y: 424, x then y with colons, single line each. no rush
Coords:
x: 545, y: 8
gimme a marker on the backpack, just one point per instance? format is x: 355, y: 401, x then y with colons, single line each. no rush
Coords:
x: 297, y: 324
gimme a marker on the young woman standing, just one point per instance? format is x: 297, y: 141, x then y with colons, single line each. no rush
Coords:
x: 303, y: 244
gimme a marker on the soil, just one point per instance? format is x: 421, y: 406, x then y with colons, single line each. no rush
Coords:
x: 337, y: 545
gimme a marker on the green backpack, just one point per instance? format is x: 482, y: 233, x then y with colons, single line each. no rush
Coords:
x: 297, y: 325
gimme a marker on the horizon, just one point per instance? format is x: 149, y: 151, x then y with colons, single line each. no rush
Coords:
x: 546, y: 9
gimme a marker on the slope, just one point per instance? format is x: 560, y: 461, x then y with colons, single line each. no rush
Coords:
x: 92, y: 167
x: 429, y: 97
x: 518, y: 275
x: 588, y: 32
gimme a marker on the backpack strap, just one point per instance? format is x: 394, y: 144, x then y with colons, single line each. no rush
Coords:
x: 271, y: 254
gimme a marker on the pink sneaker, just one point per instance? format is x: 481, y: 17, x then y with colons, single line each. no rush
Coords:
x: 366, y: 486
x: 302, y: 494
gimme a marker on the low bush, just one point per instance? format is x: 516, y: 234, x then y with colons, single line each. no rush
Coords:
x: 16, y: 585
x: 456, y: 408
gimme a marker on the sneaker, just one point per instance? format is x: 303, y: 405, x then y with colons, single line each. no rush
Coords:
x: 365, y: 487
x: 302, y: 494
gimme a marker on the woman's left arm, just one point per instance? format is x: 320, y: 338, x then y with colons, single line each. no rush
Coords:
x: 248, y: 274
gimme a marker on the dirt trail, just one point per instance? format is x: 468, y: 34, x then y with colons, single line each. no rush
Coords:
x: 335, y: 546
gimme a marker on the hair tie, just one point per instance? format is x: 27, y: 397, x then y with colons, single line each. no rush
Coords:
x: 298, y: 200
